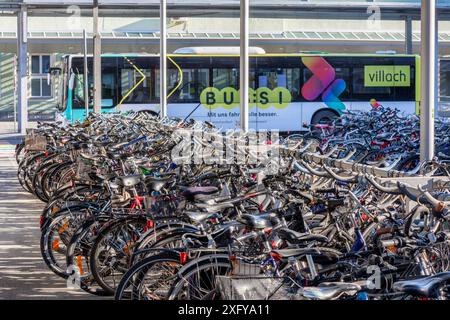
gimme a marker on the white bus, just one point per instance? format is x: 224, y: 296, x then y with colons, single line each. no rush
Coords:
x: 287, y: 91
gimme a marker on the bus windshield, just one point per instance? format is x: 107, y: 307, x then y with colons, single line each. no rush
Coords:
x: 60, y: 83
x: 109, y: 87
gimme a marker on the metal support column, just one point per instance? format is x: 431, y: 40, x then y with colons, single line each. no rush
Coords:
x: 244, y: 64
x: 86, y: 76
x: 97, y: 62
x: 429, y: 79
x: 22, y: 69
x: 163, y: 59
x: 15, y: 92
x: 408, y: 35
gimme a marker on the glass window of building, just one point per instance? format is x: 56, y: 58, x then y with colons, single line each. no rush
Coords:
x: 40, y: 67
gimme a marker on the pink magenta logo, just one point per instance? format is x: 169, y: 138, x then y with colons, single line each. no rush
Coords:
x: 323, y: 82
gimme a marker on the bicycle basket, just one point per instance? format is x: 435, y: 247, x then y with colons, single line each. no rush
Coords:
x: 163, y: 205
x: 439, y: 254
x: 255, y: 288
x: 84, y: 169
x: 35, y: 143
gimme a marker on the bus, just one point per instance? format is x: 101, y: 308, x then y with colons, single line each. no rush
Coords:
x: 287, y: 91
x: 444, y: 87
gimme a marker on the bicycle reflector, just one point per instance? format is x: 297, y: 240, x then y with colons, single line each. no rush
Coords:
x: 150, y: 224
x: 183, y: 257
x: 275, y: 256
x: 55, y: 244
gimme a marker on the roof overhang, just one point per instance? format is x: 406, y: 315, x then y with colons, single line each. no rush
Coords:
x: 357, y: 10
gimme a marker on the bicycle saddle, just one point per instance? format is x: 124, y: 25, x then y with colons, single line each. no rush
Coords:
x: 117, y: 146
x: 295, y: 237
x: 260, y: 221
x: 105, y: 177
x: 425, y: 287
x: 200, y: 216
x: 215, y: 207
x: 156, y: 183
x: 330, y: 290
x: 318, y: 222
x: 322, y: 126
x: 384, y: 136
x: 129, y: 181
x: 193, y: 193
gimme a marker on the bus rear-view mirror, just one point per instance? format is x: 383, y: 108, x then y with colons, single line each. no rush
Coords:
x: 55, y: 71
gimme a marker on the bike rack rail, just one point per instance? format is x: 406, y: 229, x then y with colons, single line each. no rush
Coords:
x: 385, y: 179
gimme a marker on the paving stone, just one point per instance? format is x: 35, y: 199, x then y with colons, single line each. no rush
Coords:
x: 23, y: 273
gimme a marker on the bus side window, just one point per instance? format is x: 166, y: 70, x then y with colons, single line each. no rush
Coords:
x: 405, y: 89
x: 78, y: 90
x: 130, y: 90
x: 273, y: 78
x: 225, y: 78
x: 344, y: 74
x: 276, y: 72
x: 135, y: 80
x: 108, y: 90
x: 363, y: 93
x: 444, y: 80
x: 194, y: 82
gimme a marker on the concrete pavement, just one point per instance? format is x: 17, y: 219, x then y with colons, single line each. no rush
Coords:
x: 23, y: 274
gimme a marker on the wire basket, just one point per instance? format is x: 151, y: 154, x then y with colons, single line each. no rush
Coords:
x: 35, y: 142
x: 163, y: 205
x: 88, y: 169
x: 437, y: 259
x: 247, y: 281
x: 83, y: 169
x: 440, y: 256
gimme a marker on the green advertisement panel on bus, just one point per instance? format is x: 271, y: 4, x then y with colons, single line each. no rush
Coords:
x: 387, y: 76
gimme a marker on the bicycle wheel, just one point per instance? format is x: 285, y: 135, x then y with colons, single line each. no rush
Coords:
x: 56, y: 236
x: 20, y: 152
x: 77, y: 255
x: 153, y: 235
x: 151, y: 278
x: 197, y: 280
x: 37, y: 180
x: 111, y: 251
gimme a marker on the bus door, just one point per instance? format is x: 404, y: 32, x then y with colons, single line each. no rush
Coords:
x: 276, y: 98
x: 76, y: 101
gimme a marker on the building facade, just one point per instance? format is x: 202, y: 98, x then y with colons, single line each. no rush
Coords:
x: 50, y: 37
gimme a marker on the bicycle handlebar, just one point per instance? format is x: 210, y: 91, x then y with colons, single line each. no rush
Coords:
x: 399, y: 242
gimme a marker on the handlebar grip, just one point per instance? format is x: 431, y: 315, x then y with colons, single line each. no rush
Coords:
x: 398, y: 242
x: 434, y: 202
x: 389, y: 243
x: 336, y: 202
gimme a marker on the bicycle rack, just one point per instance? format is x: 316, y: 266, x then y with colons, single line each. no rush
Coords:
x: 415, y: 184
